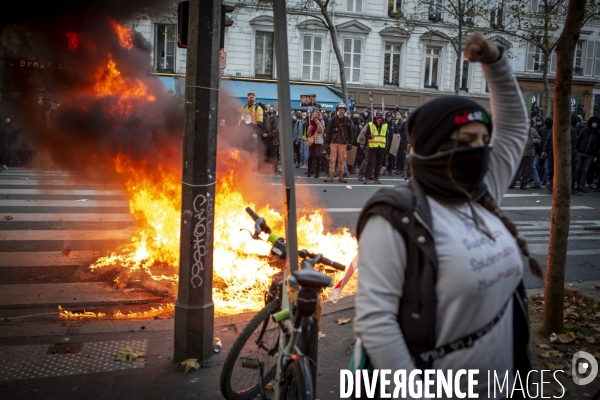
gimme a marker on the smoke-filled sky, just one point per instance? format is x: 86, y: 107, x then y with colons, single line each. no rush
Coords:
x: 77, y: 92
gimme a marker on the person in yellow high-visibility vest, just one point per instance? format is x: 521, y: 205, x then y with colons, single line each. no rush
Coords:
x: 376, y: 132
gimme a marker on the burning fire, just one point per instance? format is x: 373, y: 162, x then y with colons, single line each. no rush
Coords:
x: 241, y: 271
x: 110, y: 83
x: 156, y: 204
x: 124, y: 34
x: 153, y: 312
x: 74, y: 38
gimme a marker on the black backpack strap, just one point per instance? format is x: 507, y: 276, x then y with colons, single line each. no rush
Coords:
x: 521, y: 354
x: 417, y: 311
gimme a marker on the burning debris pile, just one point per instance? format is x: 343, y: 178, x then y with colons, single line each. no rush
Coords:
x: 102, y: 112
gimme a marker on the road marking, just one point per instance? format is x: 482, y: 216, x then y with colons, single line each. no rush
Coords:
x: 54, y: 294
x: 58, y: 182
x: 48, y: 258
x: 533, y: 208
x: 526, y: 195
x: 46, y: 217
x: 547, y: 223
x: 64, y: 203
x: 49, y: 235
x: 333, y: 210
x: 339, y: 184
x: 543, y: 250
x: 547, y: 238
x: 74, y: 192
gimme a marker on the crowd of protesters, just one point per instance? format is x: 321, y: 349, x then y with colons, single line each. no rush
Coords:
x: 370, y: 144
x: 350, y: 136
x: 330, y: 143
x: 537, y: 165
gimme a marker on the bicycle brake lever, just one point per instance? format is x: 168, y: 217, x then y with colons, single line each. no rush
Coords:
x: 248, y: 230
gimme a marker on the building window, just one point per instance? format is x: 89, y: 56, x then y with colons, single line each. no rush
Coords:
x: 352, y: 61
x: 391, y: 64
x: 597, y: 60
x: 263, y: 55
x: 496, y: 13
x: 311, y: 58
x: 435, y: 10
x: 395, y: 8
x: 354, y: 6
x: 538, y: 6
x: 464, y: 75
x: 578, y: 59
x: 164, y: 47
x: 432, y: 62
x: 535, y: 59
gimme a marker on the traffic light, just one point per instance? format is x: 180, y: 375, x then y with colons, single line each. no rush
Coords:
x: 225, y: 21
x: 183, y: 17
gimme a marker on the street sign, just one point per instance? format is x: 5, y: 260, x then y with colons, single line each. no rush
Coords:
x: 308, y: 100
x: 222, y: 59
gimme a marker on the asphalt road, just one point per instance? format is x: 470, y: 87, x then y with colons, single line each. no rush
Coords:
x: 522, y: 206
x: 49, y: 216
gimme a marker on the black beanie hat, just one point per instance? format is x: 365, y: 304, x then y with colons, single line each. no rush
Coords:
x: 430, y: 125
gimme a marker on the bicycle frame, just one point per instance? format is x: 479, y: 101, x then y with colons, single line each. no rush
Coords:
x: 303, y: 338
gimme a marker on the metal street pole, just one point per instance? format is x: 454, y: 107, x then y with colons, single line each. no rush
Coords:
x: 194, y: 309
x: 287, y: 159
x: 285, y: 126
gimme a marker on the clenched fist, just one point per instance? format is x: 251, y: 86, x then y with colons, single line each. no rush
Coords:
x: 481, y: 50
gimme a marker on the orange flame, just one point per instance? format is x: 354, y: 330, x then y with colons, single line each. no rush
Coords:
x: 161, y: 310
x: 74, y: 38
x: 124, y: 35
x: 241, y: 271
x: 110, y: 83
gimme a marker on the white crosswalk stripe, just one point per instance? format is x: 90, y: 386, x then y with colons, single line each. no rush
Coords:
x: 44, y: 213
x: 581, y: 233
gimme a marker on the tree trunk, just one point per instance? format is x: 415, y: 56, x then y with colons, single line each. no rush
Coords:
x: 546, y: 98
x: 561, y: 141
x: 338, y: 53
x: 458, y: 49
x: 546, y: 53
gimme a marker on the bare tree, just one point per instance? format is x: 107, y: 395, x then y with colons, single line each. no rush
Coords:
x: 452, y: 20
x: 322, y: 13
x: 534, y: 23
x: 561, y: 140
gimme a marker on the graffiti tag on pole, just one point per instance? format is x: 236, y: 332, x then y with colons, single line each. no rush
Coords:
x: 203, y: 212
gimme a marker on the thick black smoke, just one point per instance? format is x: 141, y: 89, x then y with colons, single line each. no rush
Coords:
x: 52, y: 56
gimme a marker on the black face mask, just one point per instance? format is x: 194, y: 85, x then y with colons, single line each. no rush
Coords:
x: 269, y: 113
x: 468, y: 168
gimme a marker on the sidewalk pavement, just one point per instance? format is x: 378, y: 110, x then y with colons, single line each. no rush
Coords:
x: 27, y: 372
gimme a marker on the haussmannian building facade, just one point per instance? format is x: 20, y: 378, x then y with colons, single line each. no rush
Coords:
x: 400, y: 67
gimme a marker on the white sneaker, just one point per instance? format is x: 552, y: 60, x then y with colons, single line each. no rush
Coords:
x: 4, y: 167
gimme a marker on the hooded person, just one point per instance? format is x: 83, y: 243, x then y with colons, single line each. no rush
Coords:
x: 316, y: 130
x: 541, y: 168
x: 588, y: 150
x: 426, y: 282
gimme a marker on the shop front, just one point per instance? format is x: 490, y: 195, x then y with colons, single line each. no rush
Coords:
x: 582, y: 96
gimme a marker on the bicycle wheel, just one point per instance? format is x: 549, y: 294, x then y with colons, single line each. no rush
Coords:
x: 298, y: 384
x: 256, y: 347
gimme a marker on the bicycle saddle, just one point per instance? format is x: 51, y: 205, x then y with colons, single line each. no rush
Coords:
x: 307, y: 276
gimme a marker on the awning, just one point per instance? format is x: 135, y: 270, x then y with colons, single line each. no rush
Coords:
x: 266, y: 92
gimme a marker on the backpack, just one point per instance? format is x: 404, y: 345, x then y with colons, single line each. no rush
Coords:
x: 407, y: 210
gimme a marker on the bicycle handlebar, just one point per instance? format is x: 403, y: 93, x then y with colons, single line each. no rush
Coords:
x: 261, y: 226
x: 323, y: 260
